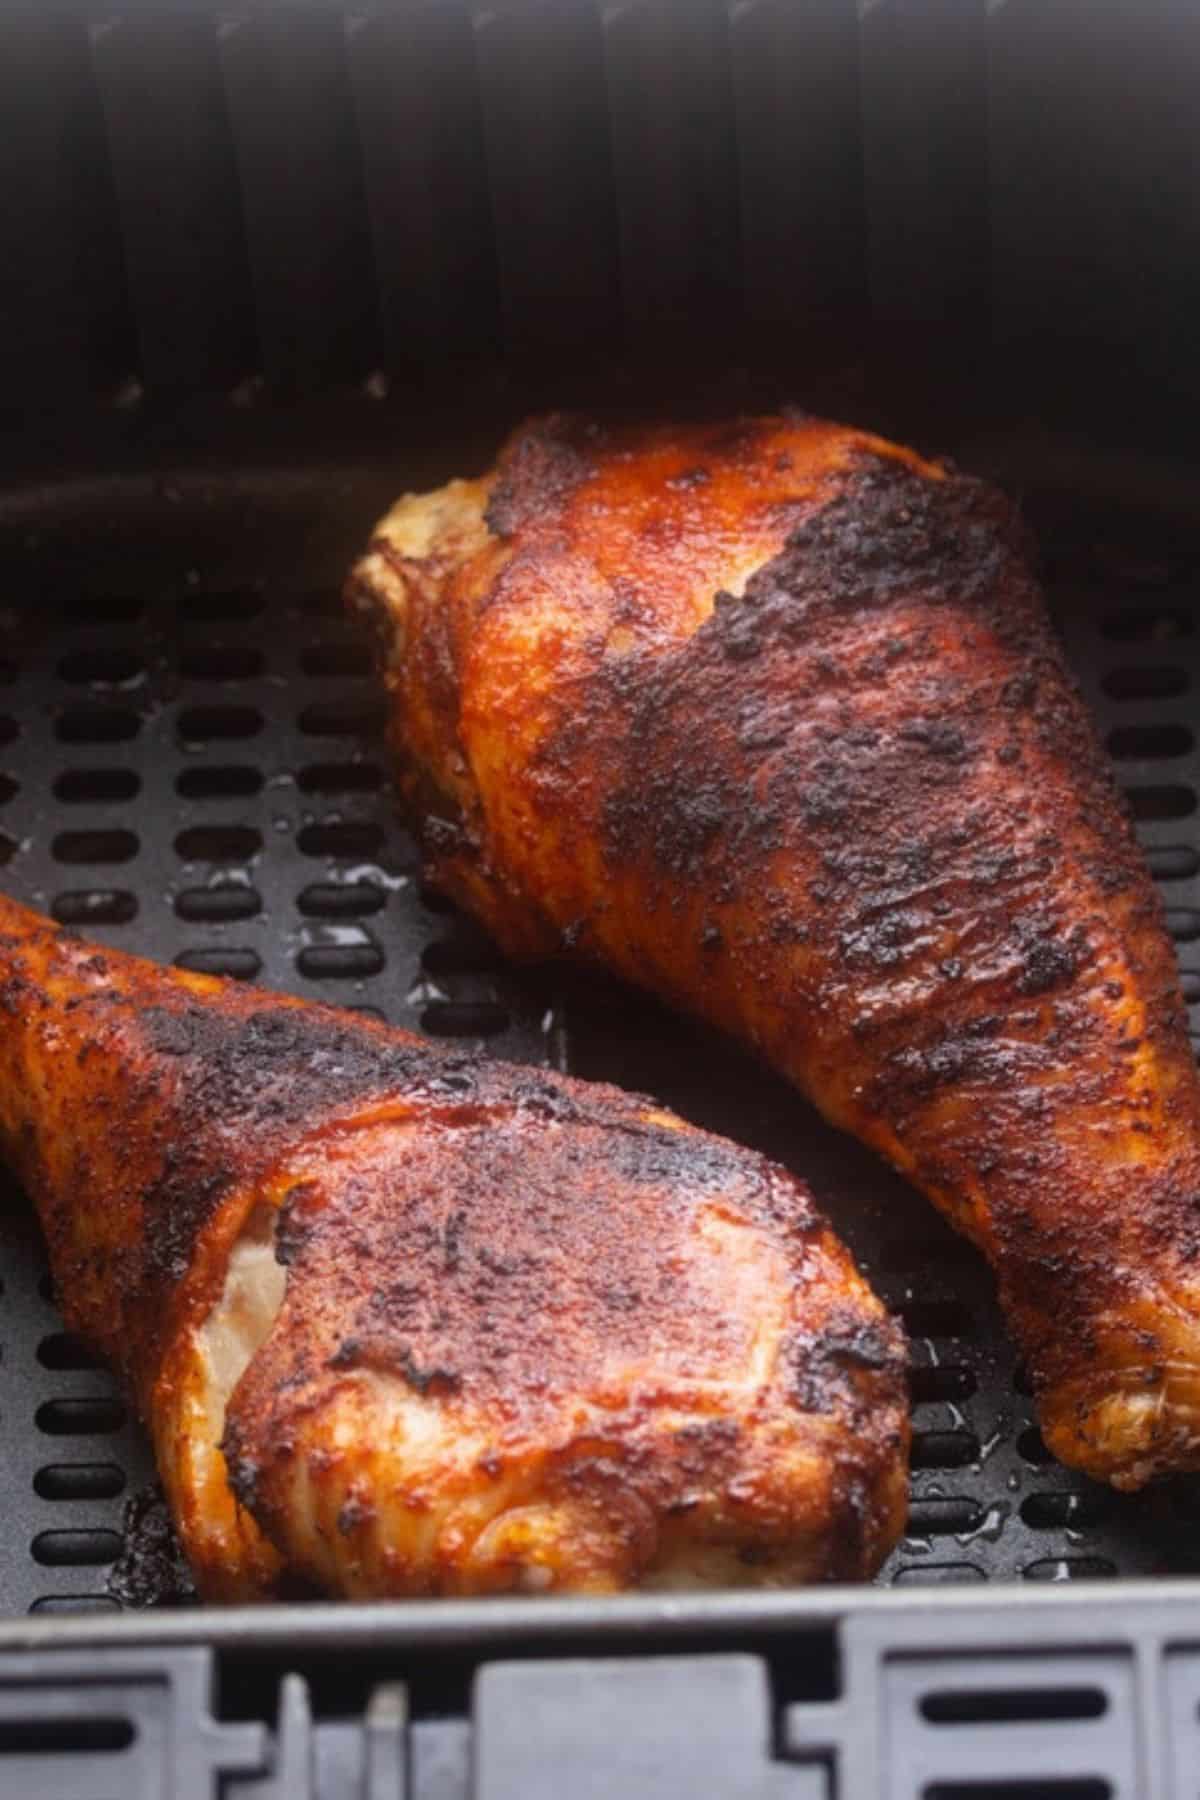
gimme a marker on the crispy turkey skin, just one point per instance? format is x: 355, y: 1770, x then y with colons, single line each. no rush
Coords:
x: 401, y: 1321
x: 768, y: 717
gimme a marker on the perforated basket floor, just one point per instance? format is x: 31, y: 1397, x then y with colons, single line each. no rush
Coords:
x: 190, y: 767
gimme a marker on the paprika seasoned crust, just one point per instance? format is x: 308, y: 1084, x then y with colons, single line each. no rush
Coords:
x: 768, y: 717
x: 402, y: 1321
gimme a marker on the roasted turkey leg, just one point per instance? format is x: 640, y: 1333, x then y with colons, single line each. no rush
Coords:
x: 402, y: 1321
x: 769, y: 718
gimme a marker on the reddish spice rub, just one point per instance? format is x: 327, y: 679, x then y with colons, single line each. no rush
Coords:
x: 404, y: 1321
x: 769, y: 718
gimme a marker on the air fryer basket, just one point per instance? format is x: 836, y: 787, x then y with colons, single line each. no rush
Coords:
x: 193, y: 768
x: 261, y: 267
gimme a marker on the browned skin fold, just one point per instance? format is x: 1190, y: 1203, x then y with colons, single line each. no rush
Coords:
x: 533, y: 1333
x: 768, y: 717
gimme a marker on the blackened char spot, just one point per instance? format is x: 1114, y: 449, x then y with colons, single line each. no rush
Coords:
x: 1049, y: 962
x: 185, y: 1195
x: 259, y: 1077
x: 272, y: 1067
x: 546, y: 1101
x: 538, y: 469
x: 348, y: 1353
x: 291, y: 1229
x: 881, y: 943
x: 887, y: 536
x: 826, y: 1363
x: 684, y: 815
x: 1018, y: 691
x: 453, y: 1239
x: 939, y: 736
x: 433, y: 1380
x: 151, y: 1569
x: 168, y: 1033
x: 891, y: 532
x: 956, y: 1053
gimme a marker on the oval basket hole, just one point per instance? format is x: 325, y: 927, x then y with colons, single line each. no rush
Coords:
x: 60, y: 1736
x: 936, y: 1318
x: 76, y: 1603
x: 340, y: 778
x: 96, y: 787
x: 223, y: 782
x: 468, y: 954
x: 1012, y: 1706
x: 335, y: 661
x: 104, y: 609
x: 218, y: 843
x: 434, y: 902
x: 1035, y: 1787
x: 103, y: 666
x: 238, y: 965
x: 208, y: 724
x: 341, y: 719
x: 341, y: 900
x: 1149, y: 742
x: 933, y: 1518
x: 1183, y: 923
x: 75, y: 1549
x: 1185, y: 1498
x: 95, y: 846
x: 79, y: 1481
x: 221, y: 905
x: 342, y: 837
x: 1071, y: 1568
x: 1065, y: 1512
x: 323, y: 602
x: 1163, y: 683
x: 95, y: 906
x: 9, y: 787
x: 1136, y: 565
x: 464, y: 1018
x: 944, y: 1449
x: 63, y: 1350
x: 221, y: 662
x: 1031, y: 1445
x: 958, y: 1574
x: 97, y: 725
x: 96, y: 1416
x: 223, y: 604
x: 340, y: 962
x: 1173, y: 862
x: 922, y: 1253
x: 1151, y: 804
x: 1147, y: 624
x: 928, y: 1385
